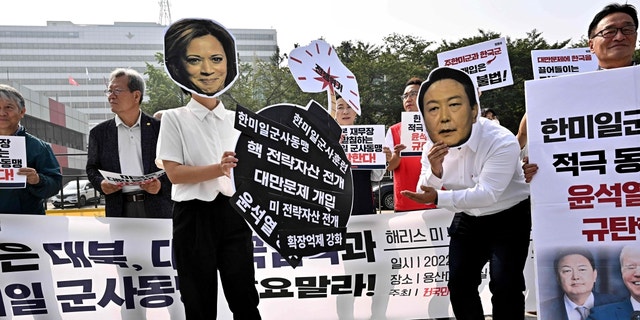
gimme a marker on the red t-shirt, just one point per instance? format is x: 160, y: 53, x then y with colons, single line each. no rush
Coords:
x: 405, y: 177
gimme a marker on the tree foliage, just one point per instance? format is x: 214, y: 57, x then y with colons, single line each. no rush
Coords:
x: 266, y: 83
x: 162, y: 91
x: 381, y: 72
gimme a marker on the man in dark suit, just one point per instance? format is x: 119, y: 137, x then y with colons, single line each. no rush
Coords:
x: 127, y: 145
x: 576, y: 274
x: 627, y: 308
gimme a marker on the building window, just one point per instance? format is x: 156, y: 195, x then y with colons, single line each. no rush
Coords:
x: 53, y: 133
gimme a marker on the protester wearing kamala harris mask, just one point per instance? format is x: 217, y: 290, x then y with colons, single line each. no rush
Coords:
x: 200, y: 56
x: 196, y: 150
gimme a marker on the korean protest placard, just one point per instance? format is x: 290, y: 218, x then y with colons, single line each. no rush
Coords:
x: 363, y: 146
x: 393, y: 266
x: 487, y: 63
x: 317, y: 68
x: 583, y: 134
x: 412, y: 133
x: 129, y: 180
x: 13, y: 156
x: 557, y: 62
x: 293, y: 162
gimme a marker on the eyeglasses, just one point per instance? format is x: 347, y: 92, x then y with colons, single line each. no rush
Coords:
x: 408, y: 95
x: 117, y: 92
x: 611, y: 32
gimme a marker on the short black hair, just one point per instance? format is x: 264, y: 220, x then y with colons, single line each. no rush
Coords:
x: 488, y: 110
x: 613, y: 8
x: 448, y: 73
x: 571, y: 251
x: 412, y: 81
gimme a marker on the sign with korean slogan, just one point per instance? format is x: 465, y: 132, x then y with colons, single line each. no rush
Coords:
x: 77, y: 268
x: 487, y: 63
x: 316, y: 68
x: 393, y: 266
x: 363, y: 146
x: 412, y: 133
x: 13, y: 156
x: 558, y: 62
x: 293, y: 184
x: 583, y: 134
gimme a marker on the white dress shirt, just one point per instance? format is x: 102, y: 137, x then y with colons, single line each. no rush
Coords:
x: 482, y: 176
x: 570, y: 307
x: 196, y: 136
x: 635, y: 304
x: 130, y: 151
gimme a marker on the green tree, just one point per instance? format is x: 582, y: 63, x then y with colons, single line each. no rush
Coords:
x: 381, y: 72
x: 265, y: 83
x: 509, y: 102
x: 162, y: 91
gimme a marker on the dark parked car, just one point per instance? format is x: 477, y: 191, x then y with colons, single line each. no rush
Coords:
x: 383, y: 193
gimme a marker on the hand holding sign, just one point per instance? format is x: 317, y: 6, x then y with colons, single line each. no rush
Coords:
x: 316, y: 68
x: 293, y: 184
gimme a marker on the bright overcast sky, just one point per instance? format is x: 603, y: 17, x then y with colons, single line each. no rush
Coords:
x: 296, y: 21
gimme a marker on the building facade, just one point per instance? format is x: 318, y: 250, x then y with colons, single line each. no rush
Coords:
x: 59, y: 125
x: 68, y: 65
x: 71, y: 63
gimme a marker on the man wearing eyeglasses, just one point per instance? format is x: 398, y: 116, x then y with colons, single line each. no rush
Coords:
x: 613, y: 33
x: 628, y: 308
x: 406, y: 170
x: 126, y: 144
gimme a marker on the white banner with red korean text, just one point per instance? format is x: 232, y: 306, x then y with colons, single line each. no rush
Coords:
x: 395, y: 266
x: 486, y: 62
x: 583, y: 134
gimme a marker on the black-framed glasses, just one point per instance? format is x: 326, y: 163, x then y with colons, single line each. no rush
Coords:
x: 408, y: 95
x: 116, y: 91
x: 611, y: 32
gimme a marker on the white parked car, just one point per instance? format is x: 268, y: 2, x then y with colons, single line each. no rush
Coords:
x: 76, y: 193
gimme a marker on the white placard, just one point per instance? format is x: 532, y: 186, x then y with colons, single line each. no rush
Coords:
x: 363, y: 146
x: 558, y: 62
x: 394, y: 265
x: 487, y: 63
x: 13, y: 156
x: 583, y: 134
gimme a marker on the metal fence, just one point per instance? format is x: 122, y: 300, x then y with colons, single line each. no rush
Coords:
x: 92, y: 197
x: 82, y: 198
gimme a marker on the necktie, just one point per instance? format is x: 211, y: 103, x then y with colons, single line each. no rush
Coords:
x: 583, y: 311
